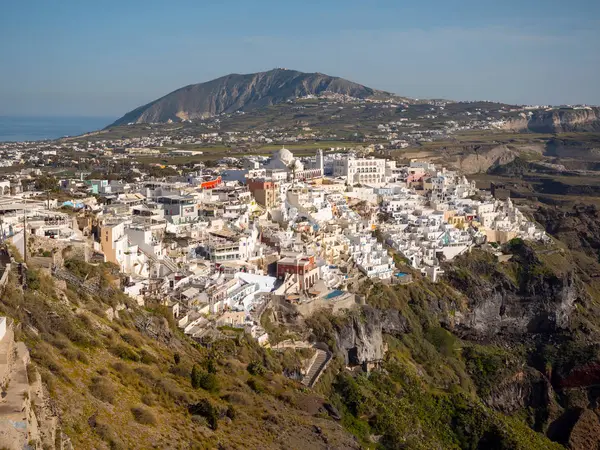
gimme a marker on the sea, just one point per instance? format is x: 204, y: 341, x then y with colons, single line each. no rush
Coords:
x: 30, y: 128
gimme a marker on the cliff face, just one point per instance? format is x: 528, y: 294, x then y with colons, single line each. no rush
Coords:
x: 242, y: 92
x: 480, y: 159
x: 526, y: 327
x: 360, y: 340
x: 535, y: 300
x: 543, y: 305
x: 556, y: 121
x: 526, y: 388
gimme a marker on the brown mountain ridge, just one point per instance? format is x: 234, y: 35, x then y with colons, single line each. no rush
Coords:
x: 243, y: 92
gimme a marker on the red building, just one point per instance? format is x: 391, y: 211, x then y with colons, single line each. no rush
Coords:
x: 265, y: 192
x: 302, y: 266
x: 211, y: 184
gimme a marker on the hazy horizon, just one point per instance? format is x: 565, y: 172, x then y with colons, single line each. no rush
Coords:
x: 76, y: 59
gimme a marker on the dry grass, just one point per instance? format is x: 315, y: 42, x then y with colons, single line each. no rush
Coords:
x: 143, y: 415
x: 103, y: 389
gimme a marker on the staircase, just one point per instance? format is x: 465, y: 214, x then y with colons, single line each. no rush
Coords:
x: 165, y: 261
x: 169, y: 264
x: 92, y: 289
x: 318, y: 366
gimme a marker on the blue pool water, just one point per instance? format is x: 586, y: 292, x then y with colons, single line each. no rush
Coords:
x: 333, y: 294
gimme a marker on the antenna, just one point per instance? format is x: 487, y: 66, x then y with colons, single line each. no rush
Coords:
x: 25, y: 230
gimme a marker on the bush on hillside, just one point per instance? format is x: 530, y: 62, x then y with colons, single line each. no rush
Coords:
x: 103, y: 389
x: 205, y: 380
x: 208, y: 410
x: 444, y: 341
x: 256, y: 368
x: 143, y: 415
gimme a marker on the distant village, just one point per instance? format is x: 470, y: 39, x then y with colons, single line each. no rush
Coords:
x: 217, y: 246
x: 409, y: 125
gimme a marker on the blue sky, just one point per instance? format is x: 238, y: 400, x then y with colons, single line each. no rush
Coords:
x: 105, y: 58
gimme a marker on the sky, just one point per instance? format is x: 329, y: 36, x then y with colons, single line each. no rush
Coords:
x: 104, y: 58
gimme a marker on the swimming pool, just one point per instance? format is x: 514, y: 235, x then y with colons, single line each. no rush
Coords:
x: 334, y: 294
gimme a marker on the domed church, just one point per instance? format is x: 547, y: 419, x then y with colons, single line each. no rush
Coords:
x: 284, y: 160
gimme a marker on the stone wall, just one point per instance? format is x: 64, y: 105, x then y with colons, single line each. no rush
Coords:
x: 27, y: 420
x: 346, y: 301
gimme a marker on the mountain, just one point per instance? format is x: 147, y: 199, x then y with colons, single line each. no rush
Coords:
x: 243, y: 92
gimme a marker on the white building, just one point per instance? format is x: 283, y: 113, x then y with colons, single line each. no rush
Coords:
x: 370, y: 256
x: 360, y: 170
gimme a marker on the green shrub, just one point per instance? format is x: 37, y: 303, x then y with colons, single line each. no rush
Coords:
x: 208, y: 410
x: 209, y: 382
x: 211, y: 366
x: 444, y: 341
x: 256, y: 368
x: 256, y: 385
x: 79, y: 268
x: 195, y: 377
x: 205, y: 380
x: 33, y: 280
x: 485, y: 366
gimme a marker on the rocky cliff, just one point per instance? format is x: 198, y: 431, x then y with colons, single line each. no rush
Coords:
x: 243, y: 92
x: 360, y: 339
x: 525, y: 297
x: 478, y: 159
x: 557, y: 121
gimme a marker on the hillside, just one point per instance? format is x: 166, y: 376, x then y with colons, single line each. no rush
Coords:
x: 243, y: 92
x: 116, y: 376
x: 455, y: 372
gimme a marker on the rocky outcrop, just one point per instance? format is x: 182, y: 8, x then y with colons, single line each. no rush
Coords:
x: 578, y: 228
x: 577, y: 429
x: 480, y: 159
x: 236, y: 92
x: 542, y: 306
x: 581, y: 376
x: 156, y: 328
x: 539, y: 301
x: 585, y: 434
x: 526, y: 389
x: 557, y: 121
x: 360, y: 340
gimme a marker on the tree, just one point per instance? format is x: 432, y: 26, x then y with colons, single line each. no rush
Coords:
x: 195, y: 377
x: 211, y: 366
x: 204, y: 380
x: 46, y: 183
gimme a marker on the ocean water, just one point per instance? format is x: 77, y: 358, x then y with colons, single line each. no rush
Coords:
x: 22, y: 128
